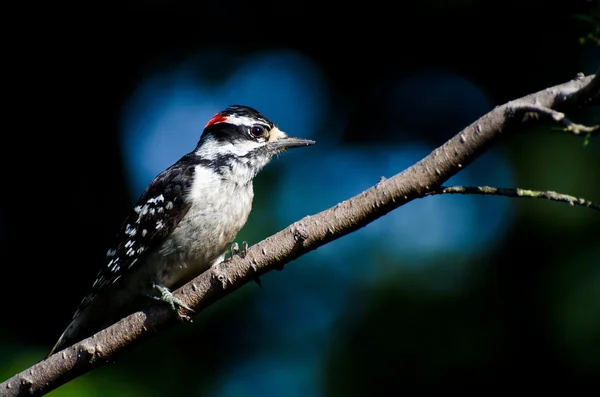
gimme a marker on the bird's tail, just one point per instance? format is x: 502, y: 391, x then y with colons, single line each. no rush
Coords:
x: 63, y: 341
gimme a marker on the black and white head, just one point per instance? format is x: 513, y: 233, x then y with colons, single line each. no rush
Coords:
x: 240, y: 139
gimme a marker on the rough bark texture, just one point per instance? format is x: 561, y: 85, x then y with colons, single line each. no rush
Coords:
x: 306, y: 235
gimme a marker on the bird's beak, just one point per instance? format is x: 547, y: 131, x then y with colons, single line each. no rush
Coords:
x: 289, y: 142
x: 278, y: 139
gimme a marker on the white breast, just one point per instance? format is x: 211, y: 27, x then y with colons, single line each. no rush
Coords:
x: 219, y: 209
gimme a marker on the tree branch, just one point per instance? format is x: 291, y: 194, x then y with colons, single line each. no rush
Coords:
x: 495, y: 191
x: 301, y: 237
x: 575, y: 129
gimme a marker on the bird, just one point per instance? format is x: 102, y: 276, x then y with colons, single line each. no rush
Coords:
x: 184, y: 221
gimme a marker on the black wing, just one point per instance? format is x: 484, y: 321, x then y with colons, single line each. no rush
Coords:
x: 155, y: 215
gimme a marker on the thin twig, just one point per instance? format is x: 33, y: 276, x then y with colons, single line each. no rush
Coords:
x: 559, y: 117
x: 495, y: 191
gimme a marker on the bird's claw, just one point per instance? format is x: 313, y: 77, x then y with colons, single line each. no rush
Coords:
x: 235, y: 250
x: 166, y: 296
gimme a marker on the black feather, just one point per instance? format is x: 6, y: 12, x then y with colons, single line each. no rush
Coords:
x: 162, y: 203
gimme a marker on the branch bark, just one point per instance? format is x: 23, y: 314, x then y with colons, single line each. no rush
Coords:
x: 307, y: 234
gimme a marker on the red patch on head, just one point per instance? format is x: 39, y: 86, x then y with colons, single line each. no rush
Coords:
x: 217, y: 118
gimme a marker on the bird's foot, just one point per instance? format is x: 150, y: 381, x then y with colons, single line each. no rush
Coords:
x: 235, y: 250
x: 164, y: 295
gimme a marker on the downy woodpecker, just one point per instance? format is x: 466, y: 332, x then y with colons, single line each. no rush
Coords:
x: 184, y: 221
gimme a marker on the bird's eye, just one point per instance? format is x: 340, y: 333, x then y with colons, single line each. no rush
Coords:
x: 257, y: 131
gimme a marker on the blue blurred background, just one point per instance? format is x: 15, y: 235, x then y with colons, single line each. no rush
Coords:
x: 445, y: 293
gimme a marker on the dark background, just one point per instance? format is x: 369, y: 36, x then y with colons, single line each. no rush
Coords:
x: 528, y: 317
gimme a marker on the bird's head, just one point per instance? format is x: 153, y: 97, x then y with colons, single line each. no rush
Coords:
x: 241, y: 136
x: 242, y: 132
